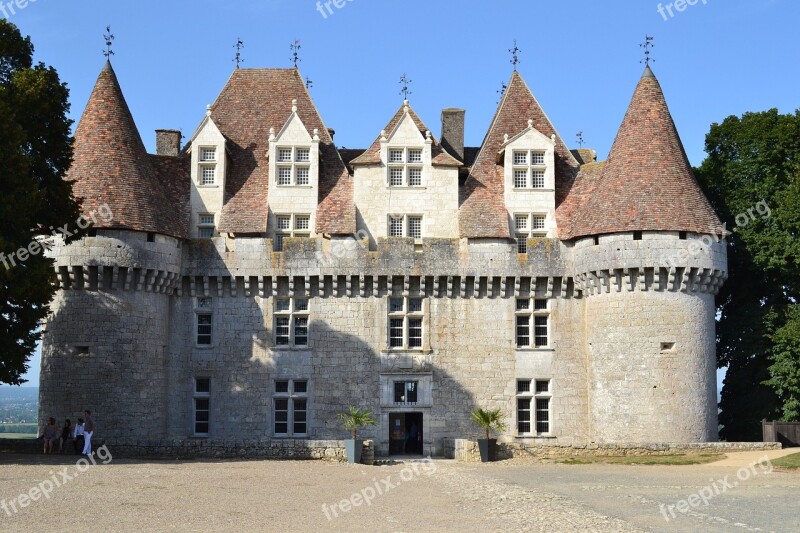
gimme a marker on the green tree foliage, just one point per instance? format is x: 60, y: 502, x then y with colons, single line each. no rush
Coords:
x: 752, y: 177
x: 35, y: 153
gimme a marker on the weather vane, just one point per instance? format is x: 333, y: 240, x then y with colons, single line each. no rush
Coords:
x: 515, y: 52
x: 502, y: 90
x: 239, y: 45
x: 579, y: 135
x: 405, y: 83
x: 309, y: 83
x: 295, y: 48
x: 109, y: 37
x: 647, y: 45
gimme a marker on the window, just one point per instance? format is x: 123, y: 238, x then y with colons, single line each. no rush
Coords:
x: 528, y: 226
x: 209, y: 175
x: 206, y: 228
x: 405, y: 167
x: 405, y: 323
x: 294, y: 225
x: 293, y: 166
x: 208, y: 154
x: 203, y: 311
x: 529, y: 164
x: 533, y: 407
x: 290, y: 408
x: 202, y: 407
x: 291, y: 322
x: 637, y: 235
x: 405, y: 392
x: 532, y: 323
x: 405, y: 226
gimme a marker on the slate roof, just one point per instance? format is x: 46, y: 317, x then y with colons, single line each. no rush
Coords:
x: 647, y: 183
x: 482, y: 204
x: 252, y: 102
x: 111, y: 167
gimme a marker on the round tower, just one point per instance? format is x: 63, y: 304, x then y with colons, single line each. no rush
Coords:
x: 649, y: 258
x: 105, y: 342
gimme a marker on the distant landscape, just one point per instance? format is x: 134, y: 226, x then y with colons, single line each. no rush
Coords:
x: 19, y: 411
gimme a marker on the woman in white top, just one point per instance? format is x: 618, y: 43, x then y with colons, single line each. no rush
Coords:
x: 79, y: 436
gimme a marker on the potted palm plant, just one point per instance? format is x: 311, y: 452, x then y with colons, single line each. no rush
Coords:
x: 354, y: 419
x: 488, y: 420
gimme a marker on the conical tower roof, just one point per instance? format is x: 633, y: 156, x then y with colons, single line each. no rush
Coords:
x: 647, y: 183
x: 112, y: 168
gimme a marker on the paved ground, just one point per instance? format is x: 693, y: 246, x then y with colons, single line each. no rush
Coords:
x: 439, y: 496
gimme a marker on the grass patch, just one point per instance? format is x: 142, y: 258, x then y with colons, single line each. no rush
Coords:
x: 18, y: 435
x: 672, y: 459
x: 790, y: 462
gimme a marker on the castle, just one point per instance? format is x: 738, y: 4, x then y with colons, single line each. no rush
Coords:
x: 257, y: 281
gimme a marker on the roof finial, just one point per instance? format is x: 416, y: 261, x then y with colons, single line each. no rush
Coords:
x: 515, y: 52
x: 208, y: 110
x: 239, y: 45
x: 647, y: 45
x: 294, y: 105
x: 405, y: 83
x: 109, y: 37
x: 579, y: 135
x: 309, y: 83
x: 502, y: 91
x: 295, y: 48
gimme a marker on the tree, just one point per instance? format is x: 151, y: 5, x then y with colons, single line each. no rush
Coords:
x: 752, y: 177
x: 35, y: 153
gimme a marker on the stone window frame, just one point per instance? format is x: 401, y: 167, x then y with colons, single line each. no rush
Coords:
x: 294, y: 163
x: 405, y: 382
x: 531, y: 167
x: 406, y: 222
x: 527, y: 231
x: 532, y: 311
x: 528, y: 398
x: 294, y: 313
x: 409, y: 320
x: 292, y: 396
x: 405, y: 164
x: 204, y: 307
x: 201, y: 394
x: 292, y: 230
x: 207, y: 165
x: 203, y: 226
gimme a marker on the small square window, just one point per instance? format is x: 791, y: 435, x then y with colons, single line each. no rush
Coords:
x: 523, y: 304
x: 284, y: 176
x: 396, y: 305
x: 395, y: 156
x: 415, y: 156
x: 285, y: 155
x: 415, y: 305
x: 284, y: 222
x: 520, y: 179
x: 302, y: 175
x: 521, y: 222
x: 523, y: 386
x: 300, y: 387
x: 303, y: 155
x: 396, y: 177
x: 537, y: 222
x: 520, y: 158
x: 537, y: 158
x: 208, y: 154
x: 202, y: 385
x: 204, y: 303
x: 301, y: 222
x: 537, y: 179
x: 395, y: 226
x: 206, y: 233
x: 542, y: 386
x: 415, y: 227
x: 301, y: 304
x: 282, y: 387
x: 207, y: 220
x: 415, y: 177
x: 209, y: 176
x: 540, y: 305
x: 282, y: 305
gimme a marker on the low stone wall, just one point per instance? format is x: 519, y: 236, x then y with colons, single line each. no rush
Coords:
x: 467, y: 450
x: 332, y: 450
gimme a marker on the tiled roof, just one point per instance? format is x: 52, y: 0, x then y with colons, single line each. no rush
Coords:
x: 252, y: 102
x: 483, y: 213
x: 439, y: 156
x: 111, y: 167
x: 348, y: 154
x: 647, y: 183
x: 570, y: 212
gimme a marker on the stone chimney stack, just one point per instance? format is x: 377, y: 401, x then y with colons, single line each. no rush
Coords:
x: 453, y: 131
x: 168, y: 142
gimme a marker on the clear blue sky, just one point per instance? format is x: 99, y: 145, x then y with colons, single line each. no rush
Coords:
x: 580, y: 58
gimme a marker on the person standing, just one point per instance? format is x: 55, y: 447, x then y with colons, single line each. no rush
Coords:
x: 78, y: 436
x: 88, y: 431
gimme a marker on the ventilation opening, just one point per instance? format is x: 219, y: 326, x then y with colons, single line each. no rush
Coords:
x: 597, y: 241
x: 151, y: 237
x: 637, y: 235
x: 92, y: 232
x: 683, y: 235
x: 667, y: 346
x: 81, y: 351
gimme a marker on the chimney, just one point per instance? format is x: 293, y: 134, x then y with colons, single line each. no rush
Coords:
x: 453, y: 131
x: 331, y: 132
x: 168, y: 142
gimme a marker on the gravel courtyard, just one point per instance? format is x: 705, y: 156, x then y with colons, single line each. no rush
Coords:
x: 126, y: 495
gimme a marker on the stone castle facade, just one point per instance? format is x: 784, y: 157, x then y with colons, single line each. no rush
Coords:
x: 257, y: 281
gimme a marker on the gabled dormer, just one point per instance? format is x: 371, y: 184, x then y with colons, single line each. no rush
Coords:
x: 528, y: 161
x: 406, y: 184
x: 294, y: 165
x: 209, y: 170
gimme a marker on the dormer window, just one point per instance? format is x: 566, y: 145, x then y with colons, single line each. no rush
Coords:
x: 528, y: 226
x: 529, y: 169
x: 206, y: 228
x: 208, y: 155
x: 294, y: 166
x: 296, y: 225
x: 208, y: 166
x: 405, y: 226
x: 405, y: 167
